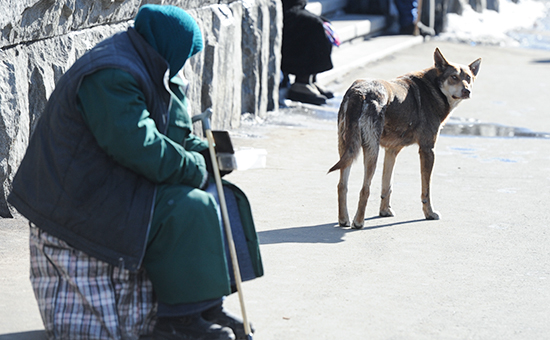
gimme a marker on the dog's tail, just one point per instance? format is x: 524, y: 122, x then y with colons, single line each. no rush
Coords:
x: 349, y: 131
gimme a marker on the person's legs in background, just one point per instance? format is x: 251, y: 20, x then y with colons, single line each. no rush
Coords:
x: 306, y: 51
x: 408, y: 16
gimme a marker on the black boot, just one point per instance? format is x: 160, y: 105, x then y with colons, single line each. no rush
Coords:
x: 303, y: 90
x: 306, y: 93
x: 325, y: 92
x: 220, y: 316
x: 191, y: 327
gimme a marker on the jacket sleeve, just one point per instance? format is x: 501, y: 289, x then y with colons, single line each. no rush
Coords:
x: 181, y: 126
x: 114, y: 108
x: 182, y: 121
x: 195, y: 143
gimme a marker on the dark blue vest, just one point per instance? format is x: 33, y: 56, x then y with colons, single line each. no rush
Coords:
x: 68, y: 186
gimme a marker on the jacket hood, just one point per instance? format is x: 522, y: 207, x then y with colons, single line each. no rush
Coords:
x: 171, y: 31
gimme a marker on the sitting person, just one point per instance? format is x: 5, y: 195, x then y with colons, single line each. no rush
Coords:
x: 113, y: 169
x: 306, y: 51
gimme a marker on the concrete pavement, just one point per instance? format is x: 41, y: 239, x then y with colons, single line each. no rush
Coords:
x: 481, y: 272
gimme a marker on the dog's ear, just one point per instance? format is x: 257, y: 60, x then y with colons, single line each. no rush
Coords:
x: 474, y: 66
x: 440, y: 62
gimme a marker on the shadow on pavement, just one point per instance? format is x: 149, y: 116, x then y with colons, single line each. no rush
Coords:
x: 366, y: 227
x: 322, y: 233
x: 32, y: 335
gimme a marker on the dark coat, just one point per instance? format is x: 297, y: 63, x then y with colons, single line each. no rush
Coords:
x: 68, y: 186
x: 306, y: 48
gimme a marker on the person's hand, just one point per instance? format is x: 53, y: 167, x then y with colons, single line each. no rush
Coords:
x: 208, y: 161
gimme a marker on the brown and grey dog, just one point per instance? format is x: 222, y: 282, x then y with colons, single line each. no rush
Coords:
x: 394, y: 114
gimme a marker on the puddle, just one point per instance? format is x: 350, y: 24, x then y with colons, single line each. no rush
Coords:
x: 472, y: 127
x: 295, y: 114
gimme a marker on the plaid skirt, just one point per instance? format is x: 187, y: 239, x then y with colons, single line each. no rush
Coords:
x: 82, y: 298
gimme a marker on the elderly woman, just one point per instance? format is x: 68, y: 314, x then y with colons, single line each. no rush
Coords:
x: 114, y: 170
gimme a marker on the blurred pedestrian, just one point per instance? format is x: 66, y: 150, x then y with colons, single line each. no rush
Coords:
x: 306, y: 52
x: 408, y: 16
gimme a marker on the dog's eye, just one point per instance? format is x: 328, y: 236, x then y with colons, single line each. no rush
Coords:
x: 453, y: 77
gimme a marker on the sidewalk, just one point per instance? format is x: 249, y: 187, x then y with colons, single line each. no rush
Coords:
x: 481, y: 272
x: 351, y: 56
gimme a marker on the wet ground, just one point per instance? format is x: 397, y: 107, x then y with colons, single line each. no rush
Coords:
x: 473, y: 127
x: 303, y: 115
x: 532, y: 31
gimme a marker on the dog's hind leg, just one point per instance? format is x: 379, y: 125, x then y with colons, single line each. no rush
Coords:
x: 387, y: 179
x: 343, y: 217
x: 370, y: 153
x: 349, y: 145
x: 427, y: 158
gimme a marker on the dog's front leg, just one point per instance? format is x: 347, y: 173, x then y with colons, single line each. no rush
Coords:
x: 389, y: 163
x: 427, y: 158
x: 343, y: 217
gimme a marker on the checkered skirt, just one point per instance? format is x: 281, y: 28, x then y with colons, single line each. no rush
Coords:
x: 82, y: 298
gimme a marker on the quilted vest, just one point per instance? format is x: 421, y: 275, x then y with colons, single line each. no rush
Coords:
x: 68, y: 186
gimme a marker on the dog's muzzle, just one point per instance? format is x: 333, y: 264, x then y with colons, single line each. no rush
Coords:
x: 465, y: 94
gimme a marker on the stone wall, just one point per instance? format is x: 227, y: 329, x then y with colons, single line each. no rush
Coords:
x: 237, y: 72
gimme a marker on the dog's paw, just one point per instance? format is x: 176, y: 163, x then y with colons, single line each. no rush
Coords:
x: 343, y: 224
x: 386, y: 213
x: 433, y: 216
x: 357, y: 226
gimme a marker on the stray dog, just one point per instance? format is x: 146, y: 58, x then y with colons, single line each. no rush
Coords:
x: 394, y: 114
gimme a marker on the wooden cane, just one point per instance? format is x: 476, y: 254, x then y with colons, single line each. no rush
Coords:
x: 205, y: 118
